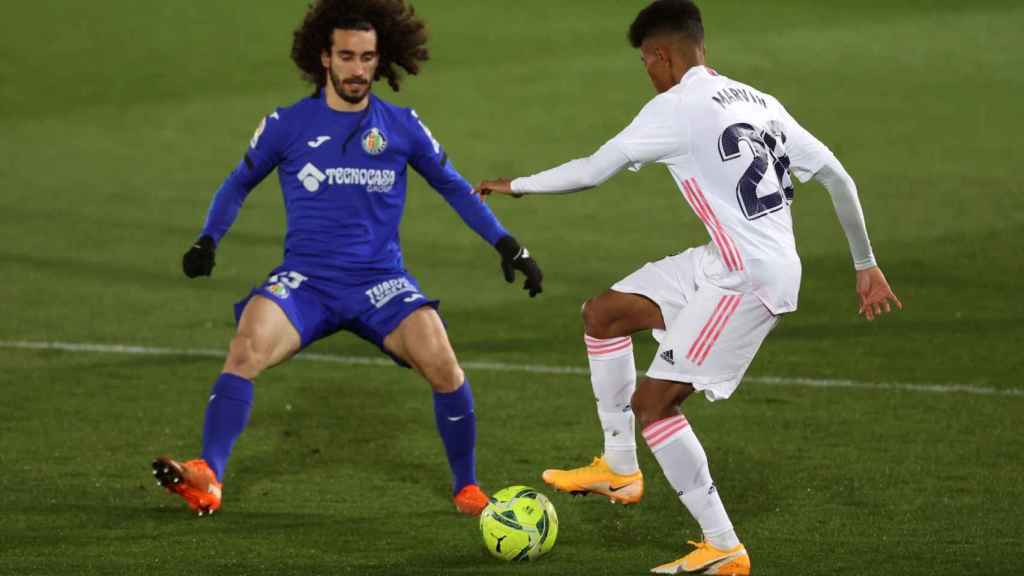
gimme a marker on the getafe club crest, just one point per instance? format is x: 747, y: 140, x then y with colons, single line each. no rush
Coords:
x: 374, y: 142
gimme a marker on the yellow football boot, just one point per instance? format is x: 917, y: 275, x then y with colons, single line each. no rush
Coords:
x: 707, y: 559
x: 599, y: 478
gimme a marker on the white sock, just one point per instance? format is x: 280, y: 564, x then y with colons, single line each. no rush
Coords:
x: 619, y: 441
x: 613, y: 377
x: 685, y: 464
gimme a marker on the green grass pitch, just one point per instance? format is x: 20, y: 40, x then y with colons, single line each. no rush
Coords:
x: 118, y: 119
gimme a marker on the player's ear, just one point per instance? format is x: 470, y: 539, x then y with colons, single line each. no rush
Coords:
x: 325, y: 59
x: 664, y: 56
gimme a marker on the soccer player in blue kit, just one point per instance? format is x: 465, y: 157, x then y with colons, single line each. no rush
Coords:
x: 341, y: 156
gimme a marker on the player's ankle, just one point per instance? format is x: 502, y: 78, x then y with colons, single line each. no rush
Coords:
x: 622, y: 462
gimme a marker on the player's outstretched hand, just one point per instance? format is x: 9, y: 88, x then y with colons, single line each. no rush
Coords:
x: 874, y: 293
x: 515, y: 257
x: 499, y: 186
x: 199, y: 259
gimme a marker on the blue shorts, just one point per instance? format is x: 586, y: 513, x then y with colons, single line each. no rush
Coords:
x: 317, y: 305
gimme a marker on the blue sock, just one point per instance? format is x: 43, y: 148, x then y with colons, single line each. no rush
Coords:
x: 456, y: 423
x: 226, y: 416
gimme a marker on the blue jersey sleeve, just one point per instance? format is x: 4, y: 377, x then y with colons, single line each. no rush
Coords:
x: 431, y: 161
x: 266, y: 149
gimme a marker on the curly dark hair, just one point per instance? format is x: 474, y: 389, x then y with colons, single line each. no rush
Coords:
x: 667, y: 17
x: 401, y: 36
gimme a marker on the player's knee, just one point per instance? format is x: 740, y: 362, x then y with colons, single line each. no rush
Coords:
x: 596, y: 322
x: 443, y: 372
x: 643, y: 408
x: 649, y: 406
x: 245, y: 357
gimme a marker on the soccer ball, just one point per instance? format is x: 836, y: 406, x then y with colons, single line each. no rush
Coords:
x: 519, y: 524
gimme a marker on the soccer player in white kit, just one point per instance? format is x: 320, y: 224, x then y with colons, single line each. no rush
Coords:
x: 730, y: 149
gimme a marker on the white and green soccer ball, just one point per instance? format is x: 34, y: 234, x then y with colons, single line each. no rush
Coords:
x: 519, y: 524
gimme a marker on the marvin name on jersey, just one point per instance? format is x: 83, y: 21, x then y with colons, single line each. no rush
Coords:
x: 727, y: 96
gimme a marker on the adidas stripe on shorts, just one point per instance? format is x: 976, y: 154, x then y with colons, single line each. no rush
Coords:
x: 711, y: 333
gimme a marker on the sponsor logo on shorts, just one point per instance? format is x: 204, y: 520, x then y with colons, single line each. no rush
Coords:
x: 667, y: 356
x: 382, y: 293
x: 278, y: 290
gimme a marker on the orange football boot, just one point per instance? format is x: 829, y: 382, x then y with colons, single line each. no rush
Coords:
x: 194, y: 481
x: 471, y: 500
x: 707, y: 559
x: 599, y: 478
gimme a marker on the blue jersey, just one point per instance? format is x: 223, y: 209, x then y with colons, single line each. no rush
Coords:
x: 344, y: 176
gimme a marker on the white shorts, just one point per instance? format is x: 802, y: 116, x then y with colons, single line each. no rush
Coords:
x: 711, y: 333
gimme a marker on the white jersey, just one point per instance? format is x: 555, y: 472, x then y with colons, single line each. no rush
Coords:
x: 730, y: 149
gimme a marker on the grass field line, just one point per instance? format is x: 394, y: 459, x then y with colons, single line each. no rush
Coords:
x: 97, y: 348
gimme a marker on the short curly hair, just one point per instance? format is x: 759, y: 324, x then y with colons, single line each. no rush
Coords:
x: 401, y: 36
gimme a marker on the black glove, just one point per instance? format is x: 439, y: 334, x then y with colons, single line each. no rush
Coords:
x: 198, y: 261
x: 515, y: 257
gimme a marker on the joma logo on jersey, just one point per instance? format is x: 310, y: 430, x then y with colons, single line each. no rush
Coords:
x: 377, y: 181
x: 382, y: 293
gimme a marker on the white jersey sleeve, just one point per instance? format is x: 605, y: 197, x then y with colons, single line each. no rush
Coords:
x: 658, y: 133
x: 843, y: 191
x: 654, y: 135
x: 810, y: 158
x: 575, y: 175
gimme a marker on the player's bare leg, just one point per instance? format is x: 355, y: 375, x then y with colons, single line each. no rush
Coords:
x: 422, y: 342
x: 265, y: 338
x: 682, y: 459
x: 616, y: 314
x: 609, y: 320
